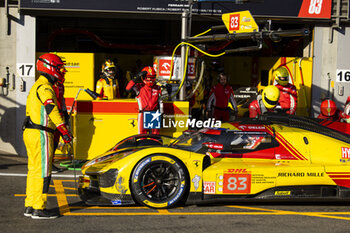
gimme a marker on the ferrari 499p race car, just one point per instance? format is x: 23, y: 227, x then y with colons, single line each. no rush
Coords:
x: 274, y: 157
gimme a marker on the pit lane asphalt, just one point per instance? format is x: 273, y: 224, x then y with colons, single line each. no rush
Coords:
x: 233, y: 217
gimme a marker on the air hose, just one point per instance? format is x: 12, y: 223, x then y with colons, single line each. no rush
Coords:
x: 186, y: 60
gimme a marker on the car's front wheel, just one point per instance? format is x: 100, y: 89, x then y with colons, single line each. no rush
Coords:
x: 159, y: 181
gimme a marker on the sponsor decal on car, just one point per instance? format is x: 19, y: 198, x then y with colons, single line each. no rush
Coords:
x: 120, y: 186
x: 196, y: 163
x: 139, y: 169
x: 237, y: 170
x: 345, y: 153
x: 251, y: 127
x: 195, y: 181
x: 282, y: 193
x: 237, y: 183
x: 178, y: 195
x: 209, y: 187
x: 116, y: 202
x: 300, y: 174
x: 155, y: 205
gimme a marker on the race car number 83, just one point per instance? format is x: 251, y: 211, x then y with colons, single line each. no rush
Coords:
x: 237, y: 183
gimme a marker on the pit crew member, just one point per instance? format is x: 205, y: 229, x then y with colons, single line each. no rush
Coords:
x: 107, y: 86
x: 288, y: 92
x: 266, y: 102
x: 330, y: 111
x: 347, y: 110
x: 147, y: 95
x: 219, y: 97
x: 42, y: 118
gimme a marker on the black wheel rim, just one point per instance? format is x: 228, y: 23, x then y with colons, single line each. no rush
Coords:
x: 160, y: 180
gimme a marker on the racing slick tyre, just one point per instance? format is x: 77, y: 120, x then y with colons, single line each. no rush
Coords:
x: 159, y: 181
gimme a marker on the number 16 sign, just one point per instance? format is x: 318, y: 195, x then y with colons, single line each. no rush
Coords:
x: 343, y: 76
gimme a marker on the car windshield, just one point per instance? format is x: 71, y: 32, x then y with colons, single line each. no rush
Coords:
x: 193, y: 141
x: 142, y: 141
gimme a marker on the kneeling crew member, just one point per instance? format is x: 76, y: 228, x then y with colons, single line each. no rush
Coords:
x: 330, y: 111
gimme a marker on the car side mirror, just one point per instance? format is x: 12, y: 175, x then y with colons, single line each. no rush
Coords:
x: 213, y: 145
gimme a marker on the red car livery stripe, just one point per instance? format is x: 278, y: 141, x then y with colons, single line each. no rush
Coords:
x: 287, y: 145
x: 340, y: 178
x: 264, y: 154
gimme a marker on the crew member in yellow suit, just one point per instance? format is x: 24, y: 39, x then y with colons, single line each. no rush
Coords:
x: 42, y: 118
x: 107, y: 86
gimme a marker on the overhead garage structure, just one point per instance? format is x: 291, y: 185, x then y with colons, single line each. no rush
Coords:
x: 143, y: 29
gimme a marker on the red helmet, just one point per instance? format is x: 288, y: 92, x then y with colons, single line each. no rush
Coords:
x: 150, y: 76
x: 51, y: 65
x: 347, y: 100
x: 328, y: 108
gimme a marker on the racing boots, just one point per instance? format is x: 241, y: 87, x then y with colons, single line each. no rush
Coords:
x: 43, y: 214
x: 28, y: 211
x: 56, y: 169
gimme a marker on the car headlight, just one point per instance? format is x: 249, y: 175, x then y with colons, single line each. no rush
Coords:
x: 108, y: 178
x: 99, y: 159
x: 106, y: 157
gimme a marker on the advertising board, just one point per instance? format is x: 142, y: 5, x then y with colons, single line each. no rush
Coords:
x: 266, y: 8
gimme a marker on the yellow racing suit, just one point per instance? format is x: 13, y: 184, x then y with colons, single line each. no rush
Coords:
x: 42, y: 117
x: 107, y: 88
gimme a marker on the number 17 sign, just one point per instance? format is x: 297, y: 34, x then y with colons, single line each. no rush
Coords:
x: 25, y: 69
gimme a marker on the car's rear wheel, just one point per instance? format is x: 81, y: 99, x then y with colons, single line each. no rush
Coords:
x: 159, y: 181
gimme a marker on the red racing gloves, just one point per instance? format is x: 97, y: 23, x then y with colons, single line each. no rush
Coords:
x: 66, y: 135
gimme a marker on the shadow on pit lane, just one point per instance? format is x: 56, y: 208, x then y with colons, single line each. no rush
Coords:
x: 305, y: 202
x: 79, y: 205
x: 11, y: 161
x: 6, y: 166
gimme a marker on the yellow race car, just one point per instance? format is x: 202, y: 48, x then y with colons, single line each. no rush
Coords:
x: 274, y: 157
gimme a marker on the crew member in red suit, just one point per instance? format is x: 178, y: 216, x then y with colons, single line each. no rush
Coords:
x: 220, y: 95
x: 347, y: 110
x: 288, y: 92
x: 266, y: 102
x: 147, y: 95
x: 58, y: 87
x: 330, y: 111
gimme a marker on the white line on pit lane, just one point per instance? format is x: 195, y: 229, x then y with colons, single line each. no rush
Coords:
x: 53, y: 175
